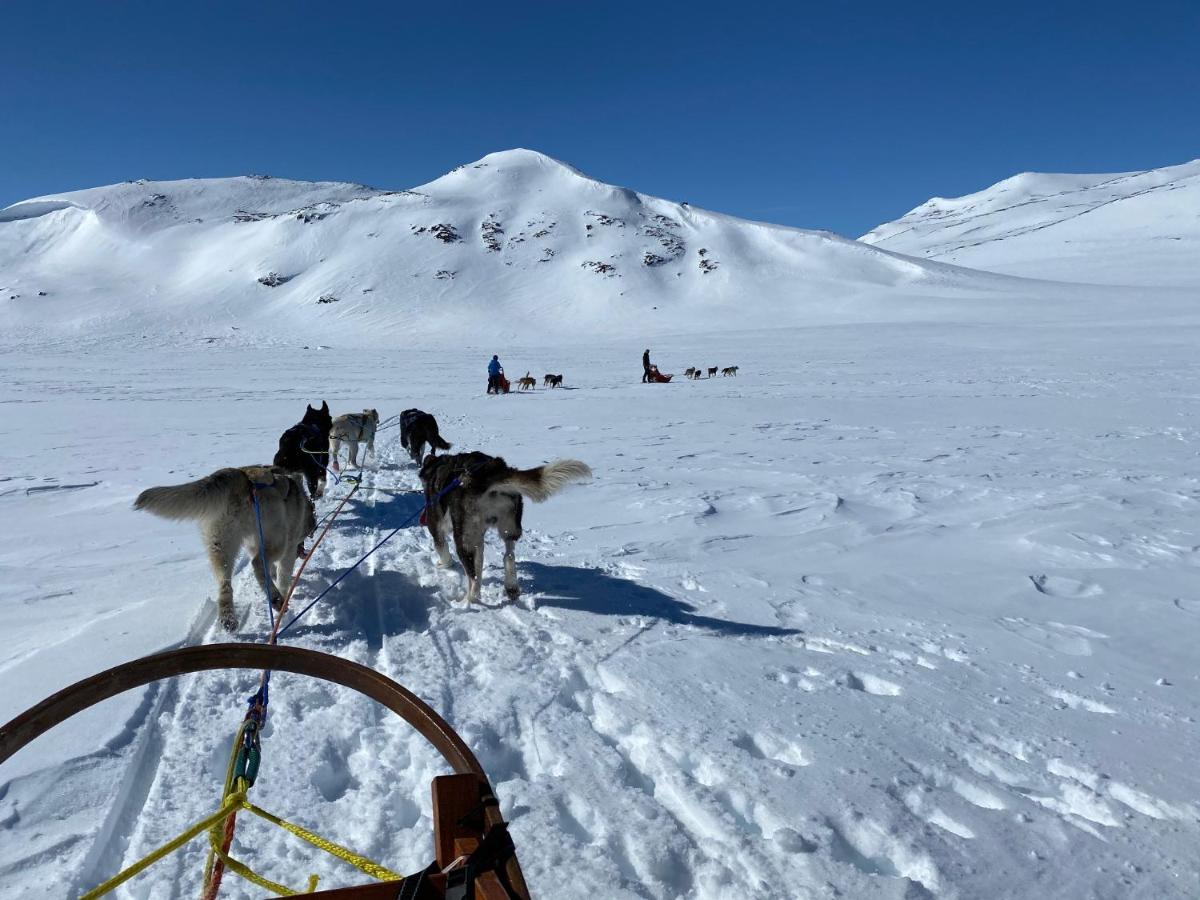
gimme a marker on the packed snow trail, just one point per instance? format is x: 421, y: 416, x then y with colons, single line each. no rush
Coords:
x: 906, y: 613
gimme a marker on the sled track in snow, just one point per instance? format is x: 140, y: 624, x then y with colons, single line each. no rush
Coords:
x: 160, y: 727
x: 393, y: 602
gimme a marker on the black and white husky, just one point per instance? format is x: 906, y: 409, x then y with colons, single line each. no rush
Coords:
x: 469, y: 493
x: 223, y: 504
x: 353, y: 429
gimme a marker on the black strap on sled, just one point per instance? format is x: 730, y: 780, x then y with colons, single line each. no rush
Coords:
x: 490, y: 856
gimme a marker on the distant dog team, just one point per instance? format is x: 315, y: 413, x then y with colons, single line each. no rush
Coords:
x: 694, y: 372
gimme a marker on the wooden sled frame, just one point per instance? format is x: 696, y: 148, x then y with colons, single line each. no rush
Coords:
x: 464, y: 806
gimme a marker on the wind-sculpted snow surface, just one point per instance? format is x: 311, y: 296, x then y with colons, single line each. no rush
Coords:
x: 1132, y: 228
x: 900, y: 611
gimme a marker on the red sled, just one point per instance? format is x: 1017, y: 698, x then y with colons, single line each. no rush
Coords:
x: 502, y: 383
x: 658, y: 376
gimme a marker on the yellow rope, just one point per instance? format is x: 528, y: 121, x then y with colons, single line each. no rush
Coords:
x: 367, y: 866
x: 239, y: 868
x: 225, y: 792
x: 231, y: 804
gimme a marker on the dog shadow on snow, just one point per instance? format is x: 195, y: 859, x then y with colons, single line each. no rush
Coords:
x: 370, y: 605
x: 594, y: 591
x: 385, y: 512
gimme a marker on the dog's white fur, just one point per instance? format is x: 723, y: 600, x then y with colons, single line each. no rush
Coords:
x: 352, y: 429
x: 222, y: 504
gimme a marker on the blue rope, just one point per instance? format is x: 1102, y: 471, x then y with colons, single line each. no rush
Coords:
x: 447, y: 489
x: 262, y: 549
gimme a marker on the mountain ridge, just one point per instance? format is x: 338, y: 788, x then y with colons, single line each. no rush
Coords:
x: 1110, y: 228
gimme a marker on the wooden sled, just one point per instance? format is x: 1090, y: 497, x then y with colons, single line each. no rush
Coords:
x: 470, y: 836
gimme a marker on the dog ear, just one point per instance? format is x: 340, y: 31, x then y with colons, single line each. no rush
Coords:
x: 324, y: 407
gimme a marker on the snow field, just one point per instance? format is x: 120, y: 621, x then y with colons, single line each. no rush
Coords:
x: 900, y: 611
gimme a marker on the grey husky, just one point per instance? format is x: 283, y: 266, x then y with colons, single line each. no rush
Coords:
x: 472, y: 492
x: 223, y: 505
x: 353, y: 429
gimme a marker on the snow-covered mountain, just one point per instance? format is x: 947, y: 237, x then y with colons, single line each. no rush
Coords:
x: 516, y: 232
x: 1133, y: 228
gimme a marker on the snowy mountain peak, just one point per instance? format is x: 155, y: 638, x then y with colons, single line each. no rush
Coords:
x: 1125, y: 228
x: 505, y: 170
x: 518, y: 237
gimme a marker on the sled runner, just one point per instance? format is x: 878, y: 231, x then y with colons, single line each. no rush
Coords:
x: 474, y: 857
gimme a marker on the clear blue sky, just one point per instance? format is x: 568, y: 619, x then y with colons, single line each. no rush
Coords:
x: 833, y: 115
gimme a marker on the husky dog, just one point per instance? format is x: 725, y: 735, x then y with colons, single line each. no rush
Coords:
x: 351, y: 429
x: 729, y: 370
x: 418, y: 428
x: 547, y: 379
x: 223, y: 503
x: 304, y: 448
x: 696, y: 373
x: 527, y: 383
x: 555, y: 380
x: 689, y: 371
x: 472, y: 492
x: 712, y: 370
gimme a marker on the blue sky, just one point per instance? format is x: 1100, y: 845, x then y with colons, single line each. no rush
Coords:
x: 831, y: 115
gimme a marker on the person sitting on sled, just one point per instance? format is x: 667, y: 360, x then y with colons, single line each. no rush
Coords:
x: 494, y: 372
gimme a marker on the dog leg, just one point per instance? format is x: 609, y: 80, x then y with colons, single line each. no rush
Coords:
x: 284, y: 567
x: 438, y: 530
x: 334, y: 446
x: 222, y: 559
x: 470, y: 554
x: 263, y: 576
x: 353, y: 445
x: 511, y: 588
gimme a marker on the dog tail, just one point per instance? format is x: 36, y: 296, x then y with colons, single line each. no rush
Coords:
x: 204, y: 499
x: 545, y: 481
x: 440, y: 442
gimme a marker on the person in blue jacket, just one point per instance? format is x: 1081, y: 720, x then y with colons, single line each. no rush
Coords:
x: 494, y: 370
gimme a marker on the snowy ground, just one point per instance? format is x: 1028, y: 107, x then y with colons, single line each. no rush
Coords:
x: 904, y: 610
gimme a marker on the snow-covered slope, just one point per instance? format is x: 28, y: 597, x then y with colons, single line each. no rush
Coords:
x: 516, y: 243
x: 1134, y: 228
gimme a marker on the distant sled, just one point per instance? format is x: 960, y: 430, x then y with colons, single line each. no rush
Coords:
x: 659, y: 377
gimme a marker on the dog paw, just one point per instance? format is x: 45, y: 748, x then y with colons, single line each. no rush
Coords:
x: 228, y: 620
x: 513, y: 594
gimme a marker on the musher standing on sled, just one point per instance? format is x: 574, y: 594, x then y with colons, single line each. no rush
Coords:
x: 494, y: 370
x: 646, y: 366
